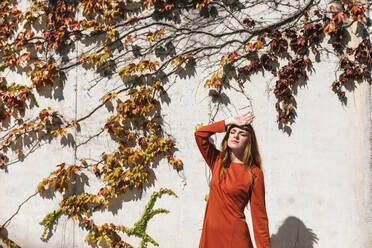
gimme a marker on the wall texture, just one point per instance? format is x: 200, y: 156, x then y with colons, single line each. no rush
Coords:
x: 317, y: 176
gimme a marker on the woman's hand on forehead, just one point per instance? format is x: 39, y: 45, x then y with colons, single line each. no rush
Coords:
x: 240, y: 120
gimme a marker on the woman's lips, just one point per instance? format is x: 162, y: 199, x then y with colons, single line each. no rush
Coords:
x: 234, y: 141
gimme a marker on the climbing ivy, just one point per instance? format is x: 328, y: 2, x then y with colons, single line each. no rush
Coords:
x: 145, y: 44
x: 107, y: 232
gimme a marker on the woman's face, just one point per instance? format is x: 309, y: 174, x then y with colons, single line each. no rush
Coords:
x: 238, y: 139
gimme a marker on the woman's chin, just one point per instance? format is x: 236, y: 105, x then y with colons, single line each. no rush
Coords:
x: 233, y: 146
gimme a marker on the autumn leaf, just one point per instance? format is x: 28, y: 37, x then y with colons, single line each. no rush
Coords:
x: 307, y: 62
x: 38, y: 46
x: 24, y: 57
x: 333, y: 8
x: 349, y: 51
x: 233, y: 55
x: 168, y: 6
x: 339, y: 17
x: 181, y: 58
x: 250, y: 47
x: 249, y: 22
x: 157, y: 85
x: 109, y: 96
x: 46, y: 33
x: 215, y: 80
x: 148, y: 3
x: 224, y: 60
x: 198, y: 126
x: 330, y: 27
x: 41, y: 187
x: 28, y: 34
x: 74, y: 123
x: 74, y: 25
x: 18, y: 43
x: 128, y: 39
x: 258, y: 45
x: 357, y: 12
x: 152, y: 36
x: 203, y: 4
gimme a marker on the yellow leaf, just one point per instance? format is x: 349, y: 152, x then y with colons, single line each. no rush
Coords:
x: 198, y: 126
x: 40, y: 187
x: 224, y: 60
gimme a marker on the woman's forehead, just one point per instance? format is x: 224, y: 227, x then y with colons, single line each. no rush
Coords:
x: 236, y: 128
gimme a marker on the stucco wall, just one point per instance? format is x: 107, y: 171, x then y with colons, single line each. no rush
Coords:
x: 318, y: 177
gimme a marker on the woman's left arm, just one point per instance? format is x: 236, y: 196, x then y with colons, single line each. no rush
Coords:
x: 258, y: 211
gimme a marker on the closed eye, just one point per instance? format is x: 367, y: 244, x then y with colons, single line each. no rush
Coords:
x: 241, y: 133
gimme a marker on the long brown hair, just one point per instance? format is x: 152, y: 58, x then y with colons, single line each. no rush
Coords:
x: 251, y: 155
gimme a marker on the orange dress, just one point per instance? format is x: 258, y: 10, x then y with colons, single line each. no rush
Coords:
x: 224, y: 223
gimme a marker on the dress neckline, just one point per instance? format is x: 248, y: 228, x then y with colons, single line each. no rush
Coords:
x: 237, y: 163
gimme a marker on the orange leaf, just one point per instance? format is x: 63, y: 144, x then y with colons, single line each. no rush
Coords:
x: 22, y: 58
x: 339, y: 17
x: 258, y: 45
x: 128, y: 39
x: 333, y: 8
x: 330, y: 27
x: 233, y: 55
x: 74, y: 123
x: 46, y: 33
x: 168, y: 6
x: 17, y: 43
x: 74, y: 25
x: 29, y: 33
x: 39, y: 46
x: 38, y: 62
x: 148, y: 2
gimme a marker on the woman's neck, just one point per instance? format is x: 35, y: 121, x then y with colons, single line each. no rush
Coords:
x: 236, y: 157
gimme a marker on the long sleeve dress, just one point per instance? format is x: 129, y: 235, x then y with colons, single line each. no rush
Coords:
x: 224, y: 223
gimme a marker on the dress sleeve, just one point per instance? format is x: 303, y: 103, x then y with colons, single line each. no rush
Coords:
x: 207, y: 149
x: 258, y: 212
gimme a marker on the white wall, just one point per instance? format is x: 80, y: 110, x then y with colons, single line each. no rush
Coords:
x: 318, y: 178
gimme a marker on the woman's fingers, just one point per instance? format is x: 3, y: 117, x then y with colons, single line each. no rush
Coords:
x: 244, y: 119
x: 247, y: 114
x: 249, y: 119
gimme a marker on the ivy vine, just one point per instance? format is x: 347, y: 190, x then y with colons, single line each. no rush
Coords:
x: 144, y: 44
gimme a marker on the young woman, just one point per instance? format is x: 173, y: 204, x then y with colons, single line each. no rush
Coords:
x: 236, y: 178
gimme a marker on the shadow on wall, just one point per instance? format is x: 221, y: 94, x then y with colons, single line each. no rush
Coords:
x: 293, y: 234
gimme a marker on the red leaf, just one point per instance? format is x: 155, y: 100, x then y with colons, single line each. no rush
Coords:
x: 233, y: 55
x: 356, y: 11
x: 46, y: 33
x: 128, y: 39
x: 349, y: 51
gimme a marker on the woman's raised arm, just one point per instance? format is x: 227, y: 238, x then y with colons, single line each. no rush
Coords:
x: 207, y: 149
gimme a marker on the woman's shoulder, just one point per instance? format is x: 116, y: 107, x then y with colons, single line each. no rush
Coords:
x: 256, y: 170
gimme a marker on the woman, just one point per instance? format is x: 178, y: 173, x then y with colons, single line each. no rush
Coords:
x: 236, y: 178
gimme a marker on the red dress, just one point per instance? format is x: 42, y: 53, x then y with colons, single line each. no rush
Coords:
x: 224, y: 223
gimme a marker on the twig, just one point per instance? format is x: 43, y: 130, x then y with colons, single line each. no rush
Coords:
x: 19, y: 207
